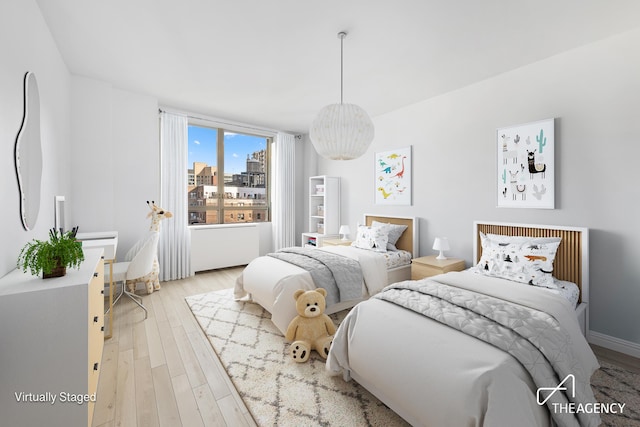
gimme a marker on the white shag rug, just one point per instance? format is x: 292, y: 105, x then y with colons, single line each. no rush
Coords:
x: 277, y: 390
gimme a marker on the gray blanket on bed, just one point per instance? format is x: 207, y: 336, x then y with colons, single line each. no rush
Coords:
x: 339, y: 275
x: 533, y: 337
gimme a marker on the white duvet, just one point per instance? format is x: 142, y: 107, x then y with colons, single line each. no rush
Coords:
x: 271, y: 282
x: 433, y: 375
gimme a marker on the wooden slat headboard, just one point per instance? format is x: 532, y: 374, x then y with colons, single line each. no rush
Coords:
x: 409, y: 240
x: 572, y: 258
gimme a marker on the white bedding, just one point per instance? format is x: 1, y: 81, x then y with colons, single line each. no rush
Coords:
x: 431, y: 374
x: 271, y: 282
x: 567, y: 290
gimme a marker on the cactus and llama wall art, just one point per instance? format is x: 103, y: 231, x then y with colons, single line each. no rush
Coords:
x: 525, y: 165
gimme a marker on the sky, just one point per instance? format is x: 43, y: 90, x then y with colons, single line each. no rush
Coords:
x: 202, y: 148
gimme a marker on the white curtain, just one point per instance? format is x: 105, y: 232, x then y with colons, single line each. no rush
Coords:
x: 174, y: 252
x: 284, y: 191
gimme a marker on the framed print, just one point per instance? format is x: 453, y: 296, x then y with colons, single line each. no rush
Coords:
x: 526, y: 170
x: 393, y: 177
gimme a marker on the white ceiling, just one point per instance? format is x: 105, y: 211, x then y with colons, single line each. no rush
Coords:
x: 275, y: 63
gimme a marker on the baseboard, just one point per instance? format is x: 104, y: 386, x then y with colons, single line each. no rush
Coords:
x: 613, y: 343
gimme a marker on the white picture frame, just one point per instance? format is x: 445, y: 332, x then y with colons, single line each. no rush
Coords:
x: 393, y: 177
x: 526, y: 165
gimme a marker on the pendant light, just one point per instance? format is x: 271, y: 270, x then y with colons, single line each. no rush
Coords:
x: 341, y: 131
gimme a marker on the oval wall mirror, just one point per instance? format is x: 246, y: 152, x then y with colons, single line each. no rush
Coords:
x: 28, y: 154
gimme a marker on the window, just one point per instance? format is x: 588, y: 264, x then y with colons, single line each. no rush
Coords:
x: 227, y: 176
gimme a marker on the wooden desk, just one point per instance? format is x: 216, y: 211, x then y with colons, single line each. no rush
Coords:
x: 108, y: 241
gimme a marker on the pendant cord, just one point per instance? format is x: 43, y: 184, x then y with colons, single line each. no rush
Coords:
x: 341, y: 35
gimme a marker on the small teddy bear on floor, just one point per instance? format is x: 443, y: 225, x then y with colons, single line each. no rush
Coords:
x: 311, y: 329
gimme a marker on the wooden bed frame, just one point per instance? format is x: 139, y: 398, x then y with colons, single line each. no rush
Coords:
x: 409, y: 240
x: 572, y: 258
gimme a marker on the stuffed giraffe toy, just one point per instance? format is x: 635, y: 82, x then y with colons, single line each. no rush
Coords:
x: 151, y: 280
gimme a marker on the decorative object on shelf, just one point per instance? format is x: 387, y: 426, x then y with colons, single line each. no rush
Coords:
x: 344, y: 232
x: 341, y: 131
x: 526, y: 173
x: 52, y: 257
x: 393, y: 177
x: 441, y: 244
x: 28, y: 154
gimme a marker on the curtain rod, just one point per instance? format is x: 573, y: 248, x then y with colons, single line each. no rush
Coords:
x: 221, y: 122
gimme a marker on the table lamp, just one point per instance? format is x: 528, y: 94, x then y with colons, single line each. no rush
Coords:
x: 344, y: 232
x: 441, y: 244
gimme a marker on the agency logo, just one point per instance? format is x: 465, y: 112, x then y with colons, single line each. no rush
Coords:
x: 560, y: 387
x: 568, y: 385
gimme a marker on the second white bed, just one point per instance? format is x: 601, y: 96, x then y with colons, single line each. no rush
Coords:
x: 272, y: 282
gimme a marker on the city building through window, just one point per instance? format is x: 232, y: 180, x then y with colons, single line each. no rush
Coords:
x: 227, y: 176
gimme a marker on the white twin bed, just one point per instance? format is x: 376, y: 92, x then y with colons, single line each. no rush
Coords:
x: 456, y: 368
x: 482, y: 347
x: 271, y: 282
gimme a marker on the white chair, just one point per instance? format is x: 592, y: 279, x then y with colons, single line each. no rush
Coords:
x: 135, y: 270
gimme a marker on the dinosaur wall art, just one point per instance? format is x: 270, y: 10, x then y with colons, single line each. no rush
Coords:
x: 393, y: 177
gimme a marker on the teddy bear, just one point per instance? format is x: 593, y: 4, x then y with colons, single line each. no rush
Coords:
x: 311, y: 329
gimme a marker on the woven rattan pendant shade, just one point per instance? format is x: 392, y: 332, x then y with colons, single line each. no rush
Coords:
x: 341, y: 131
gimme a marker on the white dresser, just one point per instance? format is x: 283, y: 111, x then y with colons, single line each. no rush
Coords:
x: 51, y: 341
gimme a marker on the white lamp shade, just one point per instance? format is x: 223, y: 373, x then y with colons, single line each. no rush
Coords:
x: 341, y: 132
x: 441, y: 244
x: 344, y: 231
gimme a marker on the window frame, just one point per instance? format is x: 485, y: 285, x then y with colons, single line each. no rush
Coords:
x: 221, y: 128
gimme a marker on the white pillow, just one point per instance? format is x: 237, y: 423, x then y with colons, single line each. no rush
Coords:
x: 521, y: 259
x: 395, y: 231
x: 372, y: 238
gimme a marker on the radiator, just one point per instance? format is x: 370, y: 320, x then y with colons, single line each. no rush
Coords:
x: 221, y: 246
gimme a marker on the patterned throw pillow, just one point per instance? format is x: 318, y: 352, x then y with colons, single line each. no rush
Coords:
x: 372, y: 238
x: 395, y: 231
x: 521, y: 259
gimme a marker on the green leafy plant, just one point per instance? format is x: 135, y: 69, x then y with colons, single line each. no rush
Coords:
x: 61, y: 250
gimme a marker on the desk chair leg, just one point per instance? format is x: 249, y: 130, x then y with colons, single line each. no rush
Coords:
x: 133, y: 297
x: 138, y: 301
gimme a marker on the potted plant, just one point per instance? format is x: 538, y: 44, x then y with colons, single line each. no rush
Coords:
x: 52, y: 257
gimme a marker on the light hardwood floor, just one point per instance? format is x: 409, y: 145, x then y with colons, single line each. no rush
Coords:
x: 162, y: 371
x: 625, y: 361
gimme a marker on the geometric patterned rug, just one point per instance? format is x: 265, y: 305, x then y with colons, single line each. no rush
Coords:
x: 612, y: 384
x: 280, y: 392
x: 276, y: 390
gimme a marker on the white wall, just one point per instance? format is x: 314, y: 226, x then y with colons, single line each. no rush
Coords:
x: 594, y: 94
x: 100, y: 144
x: 26, y: 45
x: 116, y: 160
